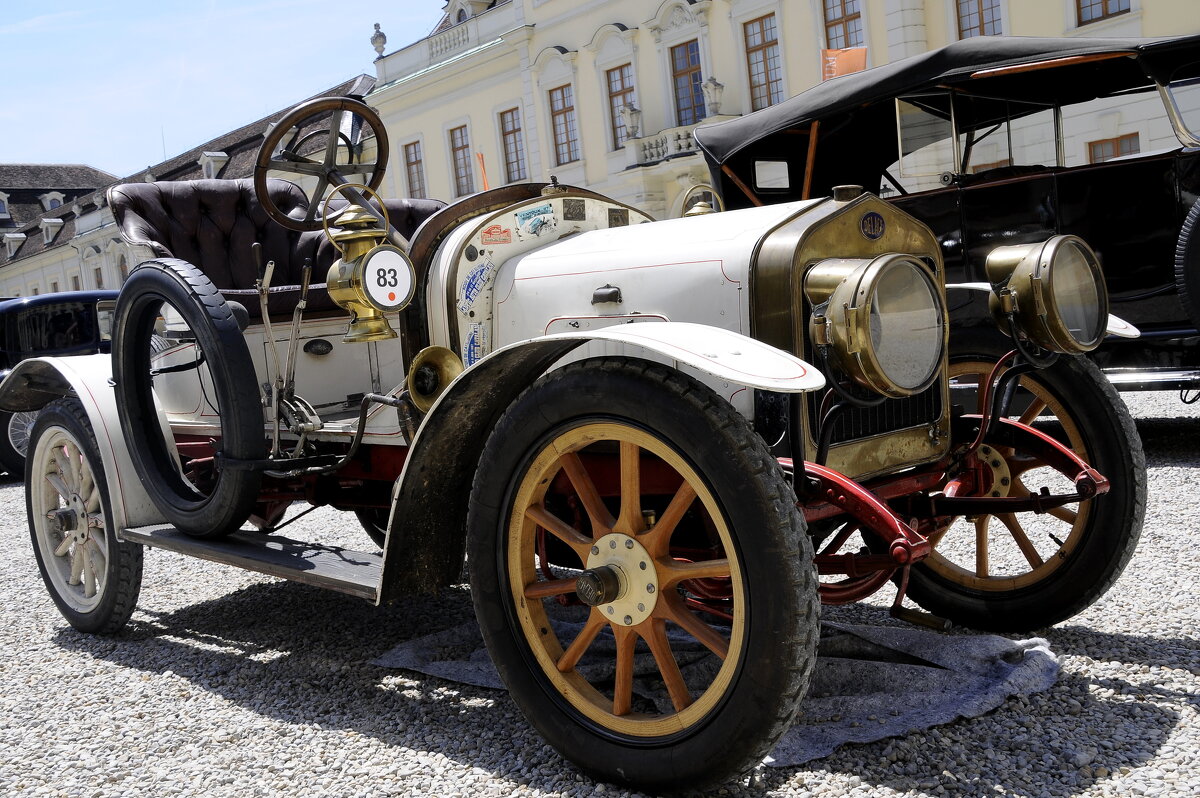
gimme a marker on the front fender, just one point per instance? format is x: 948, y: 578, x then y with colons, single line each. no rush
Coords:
x: 426, y: 542
x: 36, y: 382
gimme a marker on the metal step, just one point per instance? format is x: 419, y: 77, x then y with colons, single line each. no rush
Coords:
x: 331, y: 567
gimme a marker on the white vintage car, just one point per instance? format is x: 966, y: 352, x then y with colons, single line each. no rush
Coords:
x: 660, y: 446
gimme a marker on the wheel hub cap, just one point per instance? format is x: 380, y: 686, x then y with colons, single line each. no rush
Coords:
x: 620, y: 580
x: 992, y: 460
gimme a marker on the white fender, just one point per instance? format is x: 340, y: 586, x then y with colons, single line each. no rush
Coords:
x: 722, y: 353
x: 36, y: 382
x: 1116, y: 325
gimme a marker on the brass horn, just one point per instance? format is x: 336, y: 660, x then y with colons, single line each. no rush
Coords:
x: 434, y: 368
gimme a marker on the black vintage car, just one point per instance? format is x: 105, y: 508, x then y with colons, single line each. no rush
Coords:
x: 1011, y: 140
x: 68, y: 323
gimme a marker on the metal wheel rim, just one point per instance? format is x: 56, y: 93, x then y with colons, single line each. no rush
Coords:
x: 19, y: 427
x: 62, y: 479
x: 528, y: 588
x: 1052, y: 561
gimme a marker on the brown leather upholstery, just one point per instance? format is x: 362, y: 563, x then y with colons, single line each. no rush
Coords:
x: 212, y: 223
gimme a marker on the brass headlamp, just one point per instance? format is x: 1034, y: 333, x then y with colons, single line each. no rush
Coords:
x: 372, y: 277
x: 1054, y: 291
x: 884, y: 319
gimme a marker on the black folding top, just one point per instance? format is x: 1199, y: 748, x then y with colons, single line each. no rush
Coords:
x: 982, y: 65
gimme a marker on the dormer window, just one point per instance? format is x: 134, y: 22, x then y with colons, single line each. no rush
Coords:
x: 13, y: 242
x: 52, y: 199
x: 462, y: 16
x: 50, y: 228
x: 4, y: 206
x: 211, y: 164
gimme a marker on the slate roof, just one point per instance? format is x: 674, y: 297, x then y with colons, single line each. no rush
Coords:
x: 241, y: 145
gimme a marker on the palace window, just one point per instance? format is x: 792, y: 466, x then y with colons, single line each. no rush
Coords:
x: 843, y: 24
x: 460, y: 151
x: 514, y: 145
x: 1107, y: 149
x: 562, y: 121
x: 978, y: 18
x: 1096, y: 10
x: 762, y: 60
x: 620, y: 94
x: 685, y: 74
x: 414, y: 169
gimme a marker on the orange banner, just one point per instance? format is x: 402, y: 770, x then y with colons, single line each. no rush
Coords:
x: 842, y: 62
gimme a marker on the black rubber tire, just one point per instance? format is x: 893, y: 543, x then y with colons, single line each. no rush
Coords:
x: 765, y: 527
x: 374, y: 522
x: 212, y: 323
x: 1187, y: 264
x: 116, y: 596
x: 1110, y: 532
x: 11, y: 457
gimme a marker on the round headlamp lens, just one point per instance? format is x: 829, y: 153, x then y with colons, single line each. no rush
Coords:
x: 1077, y: 295
x: 906, y: 325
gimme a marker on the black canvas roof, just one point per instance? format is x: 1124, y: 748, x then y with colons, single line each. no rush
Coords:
x: 957, y: 65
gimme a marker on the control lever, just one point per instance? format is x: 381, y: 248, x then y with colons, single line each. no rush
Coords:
x: 263, y: 285
x: 294, y: 338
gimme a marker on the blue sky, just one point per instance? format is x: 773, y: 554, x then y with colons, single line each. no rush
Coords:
x: 108, y: 84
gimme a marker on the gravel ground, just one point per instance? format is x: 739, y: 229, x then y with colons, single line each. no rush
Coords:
x: 227, y: 683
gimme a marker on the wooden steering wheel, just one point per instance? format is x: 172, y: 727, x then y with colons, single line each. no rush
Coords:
x: 321, y: 142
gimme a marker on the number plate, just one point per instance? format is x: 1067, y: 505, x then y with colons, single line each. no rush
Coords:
x: 388, y: 278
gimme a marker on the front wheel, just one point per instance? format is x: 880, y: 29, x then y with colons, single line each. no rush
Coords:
x: 93, y: 577
x: 642, y: 576
x: 1013, y: 572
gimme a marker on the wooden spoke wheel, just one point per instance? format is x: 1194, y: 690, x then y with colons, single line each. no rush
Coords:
x: 1021, y: 571
x: 653, y: 617
x: 93, y: 577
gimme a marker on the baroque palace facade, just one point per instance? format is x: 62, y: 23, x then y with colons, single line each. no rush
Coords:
x: 597, y: 94
x: 606, y: 95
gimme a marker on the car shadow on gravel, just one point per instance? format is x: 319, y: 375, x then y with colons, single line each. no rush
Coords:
x: 1031, y: 752
x: 302, y: 655
x: 1170, y: 441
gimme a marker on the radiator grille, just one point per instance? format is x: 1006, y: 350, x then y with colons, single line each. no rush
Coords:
x: 892, y: 415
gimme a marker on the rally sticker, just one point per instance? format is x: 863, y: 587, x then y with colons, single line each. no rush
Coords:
x: 495, y: 234
x: 477, y: 279
x: 476, y: 345
x: 536, y: 221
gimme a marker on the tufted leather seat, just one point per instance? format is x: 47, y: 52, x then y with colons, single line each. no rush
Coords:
x: 212, y: 223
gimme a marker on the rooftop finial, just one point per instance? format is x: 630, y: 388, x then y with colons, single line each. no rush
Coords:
x: 378, y: 40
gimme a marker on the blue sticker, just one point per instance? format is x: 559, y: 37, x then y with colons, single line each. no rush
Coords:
x: 472, y: 287
x: 476, y: 345
x: 872, y: 225
x: 536, y: 221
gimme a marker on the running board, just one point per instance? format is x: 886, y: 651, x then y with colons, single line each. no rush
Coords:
x: 330, y: 567
x: 1139, y: 380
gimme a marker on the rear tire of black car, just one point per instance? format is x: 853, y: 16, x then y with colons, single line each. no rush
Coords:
x: 15, y: 429
x: 1187, y: 264
x: 232, y: 494
x: 1097, y: 547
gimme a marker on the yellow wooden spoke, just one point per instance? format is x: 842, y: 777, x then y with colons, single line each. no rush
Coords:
x: 602, y: 520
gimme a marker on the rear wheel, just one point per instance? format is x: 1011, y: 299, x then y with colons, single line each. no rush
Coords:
x: 93, y: 577
x: 374, y: 522
x: 1020, y: 571
x: 641, y: 575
